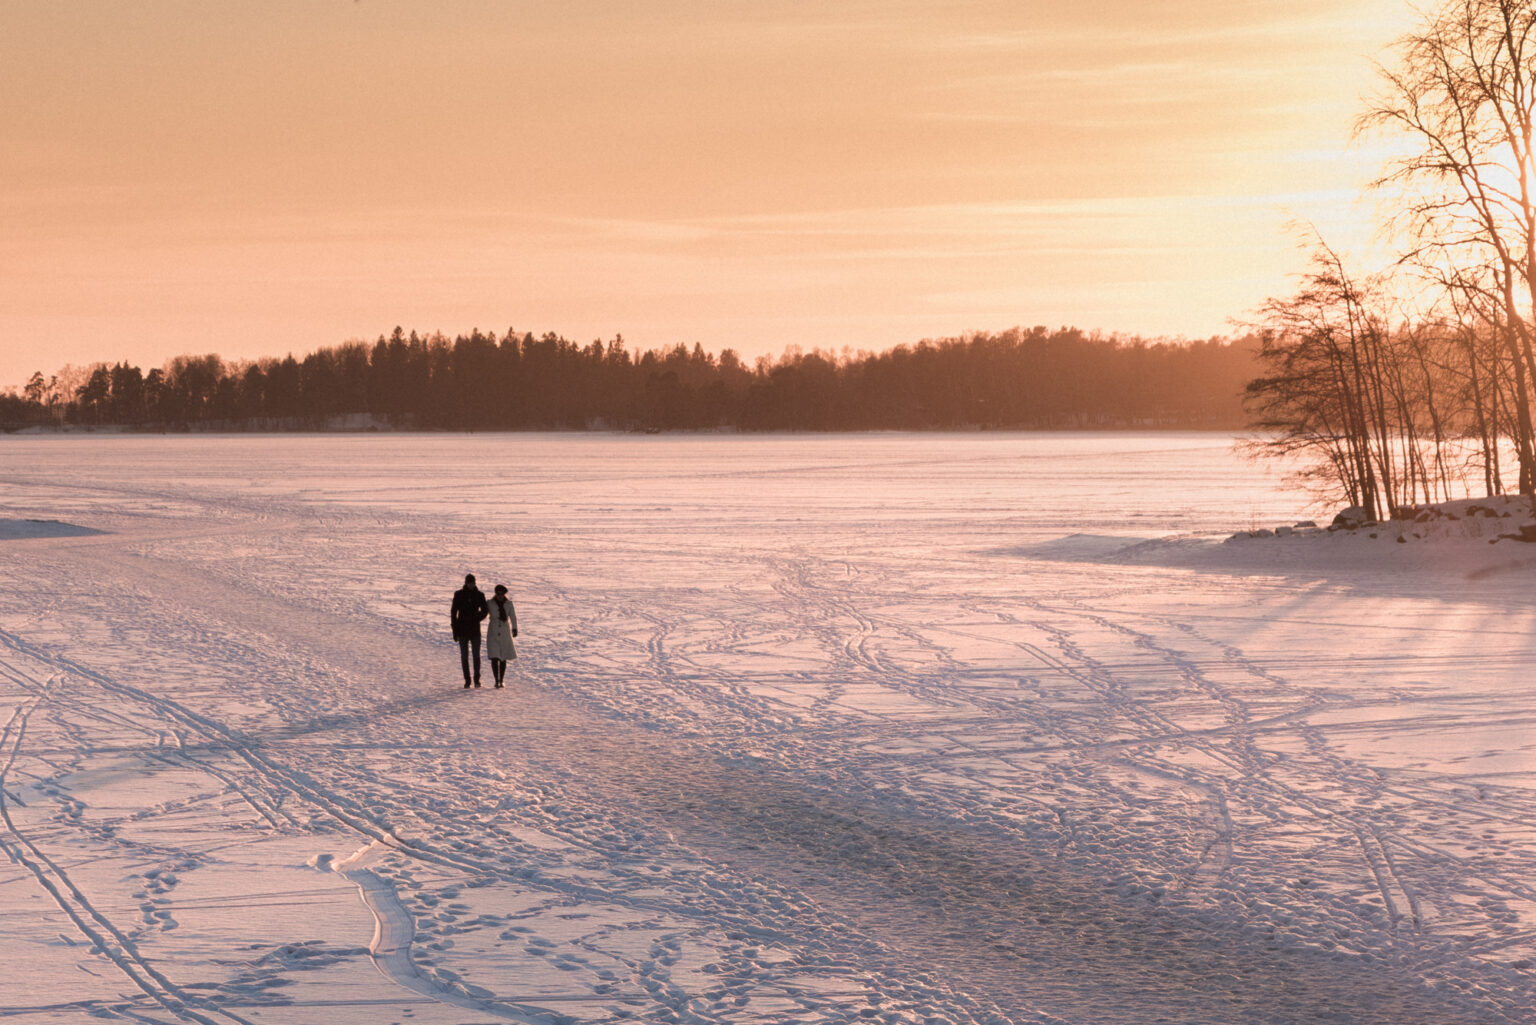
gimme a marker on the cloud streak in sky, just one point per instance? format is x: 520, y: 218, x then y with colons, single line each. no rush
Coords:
x: 190, y: 177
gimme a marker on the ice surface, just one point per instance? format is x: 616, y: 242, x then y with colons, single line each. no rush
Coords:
x: 895, y: 728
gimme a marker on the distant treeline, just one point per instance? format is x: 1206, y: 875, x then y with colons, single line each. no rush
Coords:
x: 1034, y: 378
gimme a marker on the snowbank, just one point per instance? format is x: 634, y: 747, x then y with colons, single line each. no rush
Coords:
x: 1469, y: 537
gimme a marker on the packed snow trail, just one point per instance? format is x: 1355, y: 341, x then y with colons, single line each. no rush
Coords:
x: 771, y: 753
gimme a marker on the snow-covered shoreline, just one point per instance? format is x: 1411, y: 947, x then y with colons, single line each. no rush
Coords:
x: 1486, y: 520
x: 1440, y: 544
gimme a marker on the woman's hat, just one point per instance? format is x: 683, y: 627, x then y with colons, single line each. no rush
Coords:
x: 501, y: 588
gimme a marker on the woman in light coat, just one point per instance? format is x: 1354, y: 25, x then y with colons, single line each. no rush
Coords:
x: 500, y: 628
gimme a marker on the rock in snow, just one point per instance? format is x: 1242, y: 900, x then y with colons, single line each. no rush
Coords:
x: 1350, y: 518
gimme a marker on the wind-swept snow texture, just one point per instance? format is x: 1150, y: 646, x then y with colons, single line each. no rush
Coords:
x: 902, y: 729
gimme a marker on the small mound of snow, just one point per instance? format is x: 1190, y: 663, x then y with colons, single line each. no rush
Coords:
x: 1471, y: 538
x: 19, y: 530
x: 1500, y: 518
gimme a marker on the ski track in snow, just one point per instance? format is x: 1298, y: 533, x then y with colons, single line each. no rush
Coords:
x: 789, y: 742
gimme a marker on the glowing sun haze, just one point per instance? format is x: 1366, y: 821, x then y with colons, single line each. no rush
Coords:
x: 252, y: 179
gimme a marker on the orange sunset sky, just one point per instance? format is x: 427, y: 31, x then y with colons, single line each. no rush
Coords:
x: 257, y: 178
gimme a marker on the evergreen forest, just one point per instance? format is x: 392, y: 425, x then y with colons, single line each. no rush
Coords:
x: 1021, y: 378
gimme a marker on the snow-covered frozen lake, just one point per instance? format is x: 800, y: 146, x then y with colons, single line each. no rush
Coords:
x: 890, y: 728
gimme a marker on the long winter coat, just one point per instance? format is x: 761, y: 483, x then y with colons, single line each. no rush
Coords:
x: 465, y: 613
x: 498, y: 632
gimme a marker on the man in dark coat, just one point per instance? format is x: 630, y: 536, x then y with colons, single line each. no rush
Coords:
x: 468, y: 610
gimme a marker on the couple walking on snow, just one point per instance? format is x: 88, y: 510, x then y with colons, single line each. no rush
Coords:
x: 469, y: 608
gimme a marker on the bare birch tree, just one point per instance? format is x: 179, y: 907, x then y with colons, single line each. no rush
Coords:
x: 1463, y: 92
x: 1320, y: 397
